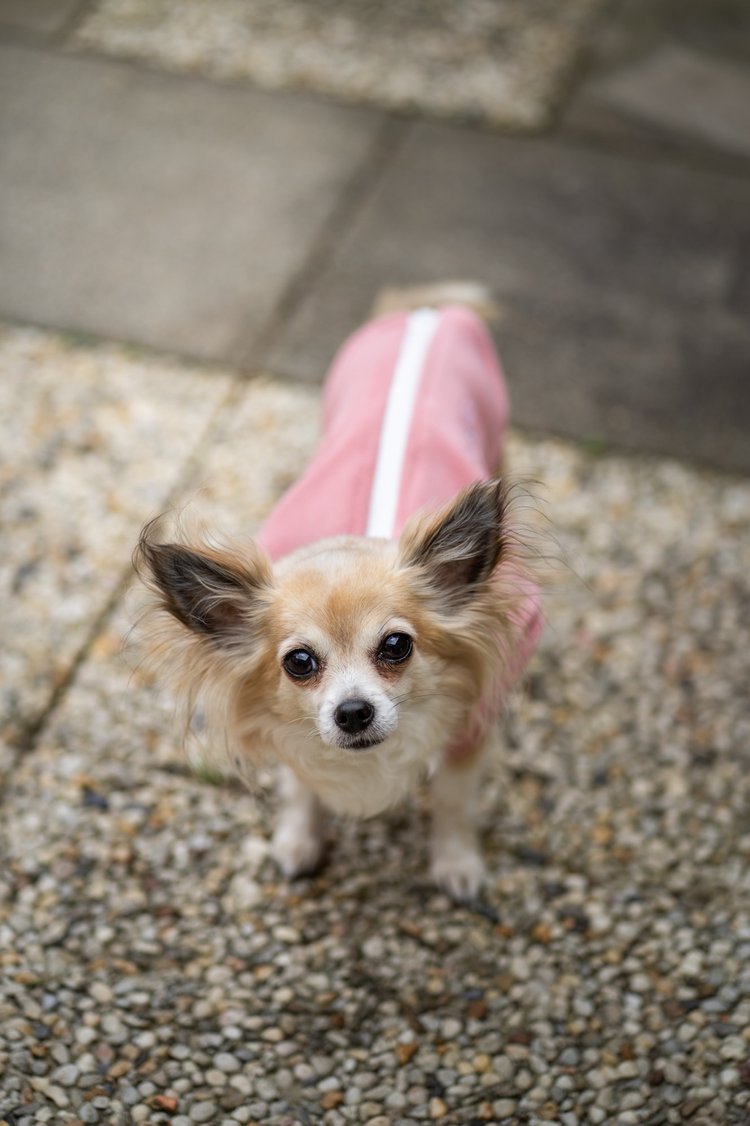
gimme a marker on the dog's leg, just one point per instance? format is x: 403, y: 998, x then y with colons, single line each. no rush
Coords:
x: 299, y: 840
x: 457, y: 864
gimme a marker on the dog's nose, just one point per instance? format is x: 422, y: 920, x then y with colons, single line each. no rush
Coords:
x: 353, y: 716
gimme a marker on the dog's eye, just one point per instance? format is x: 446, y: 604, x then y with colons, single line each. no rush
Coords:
x: 395, y: 648
x: 300, y: 664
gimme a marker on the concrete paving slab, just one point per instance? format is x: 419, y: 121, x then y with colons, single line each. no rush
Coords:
x: 158, y: 209
x: 683, y: 91
x: 504, y: 61
x: 92, y: 441
x: 622, y: 319
x: 635, y: 31
x: 45, y: 18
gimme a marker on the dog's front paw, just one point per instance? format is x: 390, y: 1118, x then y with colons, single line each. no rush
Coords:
x: 298, y: 849
x: 458, y: 868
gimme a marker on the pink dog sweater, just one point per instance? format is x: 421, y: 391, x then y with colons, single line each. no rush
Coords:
x: 414, y: 409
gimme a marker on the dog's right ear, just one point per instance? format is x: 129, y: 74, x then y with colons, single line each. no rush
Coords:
x: 214, y: 594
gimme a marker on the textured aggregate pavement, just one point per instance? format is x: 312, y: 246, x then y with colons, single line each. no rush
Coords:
x: 501, y: 61
x: 154, y: 966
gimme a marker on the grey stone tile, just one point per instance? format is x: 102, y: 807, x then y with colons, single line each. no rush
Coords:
x: 633, y: 29
x: 621, y: 279
x: 92, y: 442
x: 677, y: 89
x: 159, y: 209
x: 504, y: 60
x: 39, y: 17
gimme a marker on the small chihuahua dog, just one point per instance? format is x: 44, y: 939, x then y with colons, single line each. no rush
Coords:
x: 369, y: 633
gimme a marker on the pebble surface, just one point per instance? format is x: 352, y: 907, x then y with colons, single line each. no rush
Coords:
x: 155, y: 968
x: 73, y: 492
x: 505, y: 61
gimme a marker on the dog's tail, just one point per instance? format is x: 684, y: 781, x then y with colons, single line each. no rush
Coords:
x: 477, y: 297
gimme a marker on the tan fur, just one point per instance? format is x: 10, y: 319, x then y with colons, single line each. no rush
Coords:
x: 339, y: 598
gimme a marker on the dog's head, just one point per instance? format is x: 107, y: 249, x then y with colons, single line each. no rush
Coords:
x: 354, y: 659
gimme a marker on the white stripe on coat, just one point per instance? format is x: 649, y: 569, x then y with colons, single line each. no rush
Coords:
x: 399, y: 411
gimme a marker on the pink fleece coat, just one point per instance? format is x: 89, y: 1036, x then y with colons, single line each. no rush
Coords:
x: 415, y: 408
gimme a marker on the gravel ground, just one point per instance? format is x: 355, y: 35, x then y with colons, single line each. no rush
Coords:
x: 90, y: 440
x: 156, y: 969
x: 502, y: 60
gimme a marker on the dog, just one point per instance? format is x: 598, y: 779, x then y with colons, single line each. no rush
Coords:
x: 368, y: 635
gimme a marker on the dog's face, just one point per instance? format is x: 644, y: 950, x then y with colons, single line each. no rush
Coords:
x: 346, y: 634
x: 355, y: 659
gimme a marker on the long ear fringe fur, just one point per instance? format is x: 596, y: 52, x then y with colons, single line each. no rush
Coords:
x: 487, y: 633
x: 203, y: 679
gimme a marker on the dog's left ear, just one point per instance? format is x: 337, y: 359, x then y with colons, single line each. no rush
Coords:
x: 458, y: 548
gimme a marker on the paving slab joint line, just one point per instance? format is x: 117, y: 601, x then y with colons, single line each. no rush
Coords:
x: 653, y: 146
x: 29, y: 737
x: 251, y: 353
x: 576, y: 73
x: 51, y: 40
x: 80, y: 13
x: 87, y: 339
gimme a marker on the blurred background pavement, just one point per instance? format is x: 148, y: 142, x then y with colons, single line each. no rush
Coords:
x: 153, y: 194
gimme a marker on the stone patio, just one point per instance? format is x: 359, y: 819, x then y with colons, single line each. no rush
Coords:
x: 201, y: 247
